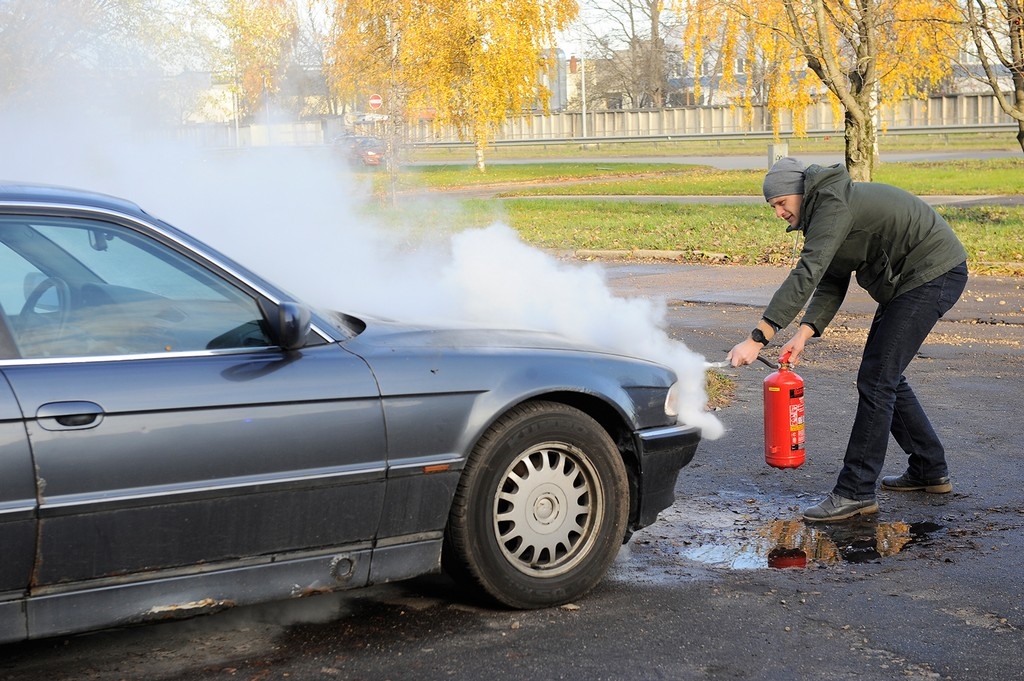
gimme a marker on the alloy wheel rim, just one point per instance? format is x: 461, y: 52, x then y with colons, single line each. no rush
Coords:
x: 546, y: 509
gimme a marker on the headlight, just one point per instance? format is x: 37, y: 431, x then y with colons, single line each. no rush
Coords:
x: 672, y: 400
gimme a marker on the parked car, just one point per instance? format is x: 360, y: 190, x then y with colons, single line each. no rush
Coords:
x: 360, y: 149
x: 343, y: 144
x: 369, y: 151
x: 180, y: 436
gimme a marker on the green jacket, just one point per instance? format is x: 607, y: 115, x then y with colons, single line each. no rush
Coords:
x: 893, y: 240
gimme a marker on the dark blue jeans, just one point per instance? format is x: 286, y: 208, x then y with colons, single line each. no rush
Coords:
x: 886, y: 403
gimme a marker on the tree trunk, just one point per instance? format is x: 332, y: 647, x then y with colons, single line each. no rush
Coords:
x: 1016, y: 31
x: 1018, y: 92
x: 860, y: 146
x: 392, y: 136
x: 655, y: 63
x: 480, y: 165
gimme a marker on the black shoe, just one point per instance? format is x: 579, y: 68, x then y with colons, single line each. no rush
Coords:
x: 905, y: 483
x: 835, y: 507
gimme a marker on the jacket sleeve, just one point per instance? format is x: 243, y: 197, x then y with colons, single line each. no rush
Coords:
x: 825, y: 302
x: 827, y: 226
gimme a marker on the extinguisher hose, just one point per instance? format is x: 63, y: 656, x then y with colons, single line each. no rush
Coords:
x: 725, y: 363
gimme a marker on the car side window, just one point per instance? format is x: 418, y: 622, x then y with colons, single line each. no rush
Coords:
x: 71, y: 287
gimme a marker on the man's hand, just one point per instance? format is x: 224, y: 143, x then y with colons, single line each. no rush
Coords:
x: 795, y: 345
x: 744, y: 353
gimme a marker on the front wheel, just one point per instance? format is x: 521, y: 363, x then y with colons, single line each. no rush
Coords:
x: 541, y: 509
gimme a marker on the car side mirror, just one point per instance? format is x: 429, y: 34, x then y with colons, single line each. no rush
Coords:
x: 290, y: 324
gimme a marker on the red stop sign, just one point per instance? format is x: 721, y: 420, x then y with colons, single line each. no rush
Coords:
x: 376, y: 101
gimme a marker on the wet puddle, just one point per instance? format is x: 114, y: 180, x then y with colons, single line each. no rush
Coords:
x: 743, y: 533
x: 796, y: 544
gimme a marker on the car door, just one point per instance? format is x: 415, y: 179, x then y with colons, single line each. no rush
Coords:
x: 17, y: 514
x: 167, y: 431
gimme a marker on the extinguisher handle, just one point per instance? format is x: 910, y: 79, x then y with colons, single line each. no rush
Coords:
x: 784, y: 358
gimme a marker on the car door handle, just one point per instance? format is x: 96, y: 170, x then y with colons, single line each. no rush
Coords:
x: 69, y: 415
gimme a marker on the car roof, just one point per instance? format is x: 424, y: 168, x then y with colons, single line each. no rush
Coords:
x: 26, y: 192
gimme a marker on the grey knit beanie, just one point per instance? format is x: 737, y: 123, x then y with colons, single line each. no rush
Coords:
x: 786, y: 176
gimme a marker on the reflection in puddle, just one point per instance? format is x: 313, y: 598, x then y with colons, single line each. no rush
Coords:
x: 795, y: 544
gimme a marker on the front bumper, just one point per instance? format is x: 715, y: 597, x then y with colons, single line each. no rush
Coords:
x: 661, y: 454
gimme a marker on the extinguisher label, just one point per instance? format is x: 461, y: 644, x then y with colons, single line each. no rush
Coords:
x: 796, y: 422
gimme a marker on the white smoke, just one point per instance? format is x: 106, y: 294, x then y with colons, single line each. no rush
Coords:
x: 292, y: 215
x: 496, y: 277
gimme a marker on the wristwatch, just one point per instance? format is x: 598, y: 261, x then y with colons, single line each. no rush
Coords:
x: 758, y: 335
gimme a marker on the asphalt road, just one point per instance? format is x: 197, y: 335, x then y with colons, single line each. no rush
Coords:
x: 729, y: 583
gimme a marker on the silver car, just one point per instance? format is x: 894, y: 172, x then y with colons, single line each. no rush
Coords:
x: 178, y: 436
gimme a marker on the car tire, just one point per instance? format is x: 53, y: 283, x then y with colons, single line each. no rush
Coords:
x: 541, y: 508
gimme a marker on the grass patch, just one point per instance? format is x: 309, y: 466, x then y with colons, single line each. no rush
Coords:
x: 746, y: 233
x: 952, y: 177
x: 610, y: 148
x: 733, y: 233
x: 720, y: 390
x: 956, y: 177
x: 992, y: 235
x: 446, y: 177
x: 674, y: 181
x: 742, y: 233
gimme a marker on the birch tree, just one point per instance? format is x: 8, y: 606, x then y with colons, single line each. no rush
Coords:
x: 473, y: 62
x: 261, y: 35
x: 994, y: 37
x: 857, y: 53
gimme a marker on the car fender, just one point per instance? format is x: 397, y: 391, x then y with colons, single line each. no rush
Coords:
x: 464, y: 393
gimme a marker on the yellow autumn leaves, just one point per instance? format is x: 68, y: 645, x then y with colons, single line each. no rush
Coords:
x: 469, y: 62
x: 857, y: 53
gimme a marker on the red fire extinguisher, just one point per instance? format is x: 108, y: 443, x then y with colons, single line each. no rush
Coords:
x: 784, y: 417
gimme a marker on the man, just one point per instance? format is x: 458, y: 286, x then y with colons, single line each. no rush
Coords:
x: 912, y: 264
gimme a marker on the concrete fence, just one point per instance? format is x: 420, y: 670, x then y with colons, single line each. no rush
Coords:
x: 944, y: 113
x: 919, y: 115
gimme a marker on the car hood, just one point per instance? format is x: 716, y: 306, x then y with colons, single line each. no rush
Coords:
x: 384, y: 334
x: 501, y: 367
